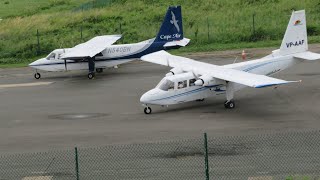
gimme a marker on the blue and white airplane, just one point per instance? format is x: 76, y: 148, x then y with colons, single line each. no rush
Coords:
x: 100, y: 53
x: 191, y: 80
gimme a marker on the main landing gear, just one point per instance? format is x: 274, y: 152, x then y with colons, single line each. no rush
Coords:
x: 147, y: 110
x: 229, y: 104
x: 91, y: 75
x: 37, y: 75
x: 91, y: 65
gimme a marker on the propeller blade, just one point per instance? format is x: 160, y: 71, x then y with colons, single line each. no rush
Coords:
x: 195, y: 75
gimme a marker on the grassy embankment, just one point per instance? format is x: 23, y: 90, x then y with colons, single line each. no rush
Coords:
x: 211, y: 24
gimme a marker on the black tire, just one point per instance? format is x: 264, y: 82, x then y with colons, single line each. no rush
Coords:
x: 147, y: 110
x: 229, y: 105
x: 90, y: 75
x: 200, y: 100
x: 37, y: 75
x: 99, y: 70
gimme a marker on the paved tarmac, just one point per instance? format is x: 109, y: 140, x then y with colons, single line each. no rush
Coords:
x: 64, y: 110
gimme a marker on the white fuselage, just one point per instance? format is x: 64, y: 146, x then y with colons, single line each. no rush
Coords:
x: 111, y: 56
x: 265, y: 66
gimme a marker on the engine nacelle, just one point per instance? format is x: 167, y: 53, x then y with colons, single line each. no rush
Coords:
x: 174, y: 71
x: 205, y: 81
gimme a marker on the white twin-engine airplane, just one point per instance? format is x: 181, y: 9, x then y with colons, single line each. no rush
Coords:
x: 191, y: 80
x: 100, y: 53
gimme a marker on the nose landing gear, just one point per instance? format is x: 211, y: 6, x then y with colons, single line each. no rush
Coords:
x: 37, y: 75
x: 147, y: 110
x: 99, y: 70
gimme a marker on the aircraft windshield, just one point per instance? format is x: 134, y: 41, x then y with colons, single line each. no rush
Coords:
x: 51, y: 56
x: 166, y: 85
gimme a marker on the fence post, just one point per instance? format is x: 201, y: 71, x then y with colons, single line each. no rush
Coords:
x: 38, y: 43
x: 208, y: 29
x: 120, y: 27
x: 253, y: 23
x: 206, y: 159
x: 77, y: 162
x: 81, y: 34
x: 196, y: 34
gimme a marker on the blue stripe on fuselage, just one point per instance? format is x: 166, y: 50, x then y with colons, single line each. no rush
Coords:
x: 190, y: 92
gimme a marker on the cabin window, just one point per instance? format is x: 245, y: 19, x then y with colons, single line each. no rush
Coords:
x: 51, y: 56
x: 182, y: 84
x: 166, y: 85
x: 191, y: 82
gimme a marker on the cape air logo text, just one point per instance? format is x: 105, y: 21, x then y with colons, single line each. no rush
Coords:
x: 174, y: 21
x: 168, y: 37
x: 297, y: 43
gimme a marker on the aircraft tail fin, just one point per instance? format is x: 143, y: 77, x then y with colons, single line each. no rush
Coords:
x: 171, y: 28
x: 295, y: 39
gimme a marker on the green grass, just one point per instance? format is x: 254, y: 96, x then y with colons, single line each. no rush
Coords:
x: 230, y: 23
x: 13, y: 8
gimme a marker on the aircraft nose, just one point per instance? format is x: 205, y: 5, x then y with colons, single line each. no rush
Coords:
x: 150, y: 96
x: 145, y: 98
x: 35, y: 63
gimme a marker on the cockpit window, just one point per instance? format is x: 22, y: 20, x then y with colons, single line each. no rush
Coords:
x: 182, y: 84
x: 191, y: 82
x: 51, y: 56
x: 166, y: 85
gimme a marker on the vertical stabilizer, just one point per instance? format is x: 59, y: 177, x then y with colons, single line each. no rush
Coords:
x: 295, y: 40
x: 171, y: 28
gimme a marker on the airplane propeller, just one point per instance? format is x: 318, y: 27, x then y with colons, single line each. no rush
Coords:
x: 195, y: 75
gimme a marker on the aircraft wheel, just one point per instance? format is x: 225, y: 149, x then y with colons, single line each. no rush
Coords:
x: 229, y: 105
x: 147, y: 110
x: 90, y: 75
x: 37, y: 75
x: 99, y: 70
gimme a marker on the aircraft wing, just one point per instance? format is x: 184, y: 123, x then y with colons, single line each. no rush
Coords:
x: 183, y: 42
x: 214, y: 71
x: 307, y: 56
x: 90, y: 48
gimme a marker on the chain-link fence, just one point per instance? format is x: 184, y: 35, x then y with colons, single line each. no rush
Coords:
x: 293, y: 155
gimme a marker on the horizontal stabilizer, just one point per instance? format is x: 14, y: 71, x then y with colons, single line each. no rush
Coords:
x: 91, y: 48
x: 213, y: 71
x: 310, y: 56
x: 183, y: 42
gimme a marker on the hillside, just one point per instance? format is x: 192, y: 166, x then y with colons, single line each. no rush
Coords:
x: 211, y: 24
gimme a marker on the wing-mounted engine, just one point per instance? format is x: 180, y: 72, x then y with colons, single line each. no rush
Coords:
x: 175, y: 71
x: 205, y: 80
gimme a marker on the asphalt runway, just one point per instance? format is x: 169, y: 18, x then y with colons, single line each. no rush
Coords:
x: 64, y: 110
